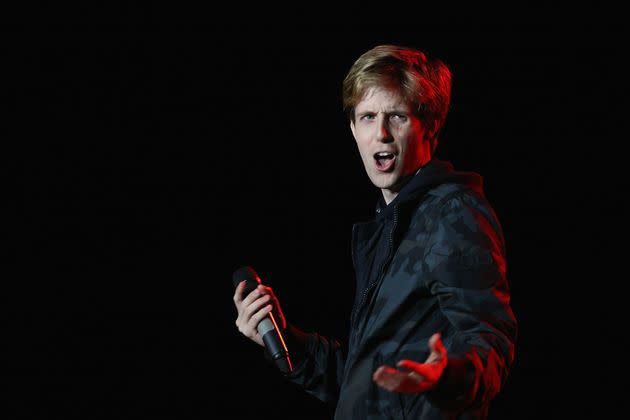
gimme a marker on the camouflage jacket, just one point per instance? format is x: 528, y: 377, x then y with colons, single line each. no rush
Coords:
x: 433, y: 260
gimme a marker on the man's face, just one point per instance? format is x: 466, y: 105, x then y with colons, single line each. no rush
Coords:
x: 391, y: 139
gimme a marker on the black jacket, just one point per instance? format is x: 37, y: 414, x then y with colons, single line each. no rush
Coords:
x: 433, y: 260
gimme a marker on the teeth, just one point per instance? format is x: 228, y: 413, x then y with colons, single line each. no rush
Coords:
x: 384, y: 154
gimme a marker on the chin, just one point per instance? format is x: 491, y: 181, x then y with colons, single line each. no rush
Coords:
x: 385, y: 181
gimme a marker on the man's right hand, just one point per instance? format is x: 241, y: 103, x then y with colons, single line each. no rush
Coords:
x: 253, y: 308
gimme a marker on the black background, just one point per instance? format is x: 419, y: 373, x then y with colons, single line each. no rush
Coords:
x: 146, y: 161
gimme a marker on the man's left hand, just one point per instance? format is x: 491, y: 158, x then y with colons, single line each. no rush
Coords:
x: 414, y: 377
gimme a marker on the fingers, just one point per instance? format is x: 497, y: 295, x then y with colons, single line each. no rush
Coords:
x: 388, y: 378
x: 244, y: 305
x: 259, y: 290
x: 247, y: 322
x: 395, y: 380
x: 251, y: 310
x: 260, y: 313
x: 422, y: 369
x: 436, y: 345
x: 238, y: 293
x: 251, y: 297
x: 277, y: 312
x: 438, y: 351
x: 252, y: 304
x: 413, y: 377
x: 265, y: 290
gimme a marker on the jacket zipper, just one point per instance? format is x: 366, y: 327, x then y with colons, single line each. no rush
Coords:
x: 381, y: 272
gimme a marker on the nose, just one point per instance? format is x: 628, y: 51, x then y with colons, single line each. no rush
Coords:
x: 384, y: 134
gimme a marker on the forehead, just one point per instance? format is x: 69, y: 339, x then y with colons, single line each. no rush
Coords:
x: 382, y: 99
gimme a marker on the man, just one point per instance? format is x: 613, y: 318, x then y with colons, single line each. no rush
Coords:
x: 432, y: 333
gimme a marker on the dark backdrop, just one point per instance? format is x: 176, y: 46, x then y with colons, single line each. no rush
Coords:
x: 146, y: 162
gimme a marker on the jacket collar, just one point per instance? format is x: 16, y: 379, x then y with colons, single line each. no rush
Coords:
x: 434, y: 173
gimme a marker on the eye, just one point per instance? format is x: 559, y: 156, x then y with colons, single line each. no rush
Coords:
x: 367, y: 117
x: 398, y: 117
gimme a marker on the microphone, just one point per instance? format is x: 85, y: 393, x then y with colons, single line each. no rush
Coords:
x: 268, y: 327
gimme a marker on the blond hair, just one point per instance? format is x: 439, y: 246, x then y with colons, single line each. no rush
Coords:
x: 426, y: 84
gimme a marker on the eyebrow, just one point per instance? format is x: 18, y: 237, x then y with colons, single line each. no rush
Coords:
x: 393, y: 111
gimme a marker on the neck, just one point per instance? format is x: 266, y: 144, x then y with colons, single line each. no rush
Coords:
x: 390, y: 194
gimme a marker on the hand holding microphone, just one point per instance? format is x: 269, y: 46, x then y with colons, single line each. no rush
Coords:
x: 259, y: 316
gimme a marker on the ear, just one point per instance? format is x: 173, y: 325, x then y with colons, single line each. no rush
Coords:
x: 353, y: 128
x: 431, y: 135
x: 432, y: 131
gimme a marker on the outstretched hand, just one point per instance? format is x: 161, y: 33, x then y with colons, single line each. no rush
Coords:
x: 414, y: 377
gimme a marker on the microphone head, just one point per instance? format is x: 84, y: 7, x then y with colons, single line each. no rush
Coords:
x: 249, y: 275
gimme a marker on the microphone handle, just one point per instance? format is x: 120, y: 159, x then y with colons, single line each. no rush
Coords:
x: 274, y: 343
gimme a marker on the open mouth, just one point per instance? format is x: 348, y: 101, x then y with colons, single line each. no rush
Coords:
x: 384, y: 161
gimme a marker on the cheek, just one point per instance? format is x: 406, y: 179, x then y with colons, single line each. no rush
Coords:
x: 410, y: 141
x: 362, y: 142
x: 363, y: 150
x: 360, y: 134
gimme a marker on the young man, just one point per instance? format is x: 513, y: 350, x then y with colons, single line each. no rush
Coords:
x: 432, y: 333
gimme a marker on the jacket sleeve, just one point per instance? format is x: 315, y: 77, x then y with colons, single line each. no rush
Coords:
x: 466, y: 263
x: 318, y: 363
